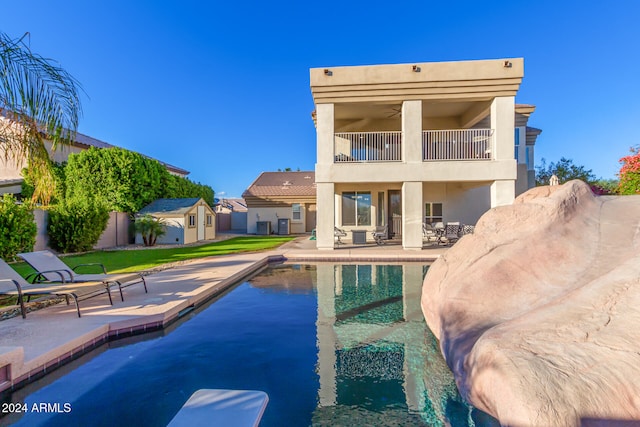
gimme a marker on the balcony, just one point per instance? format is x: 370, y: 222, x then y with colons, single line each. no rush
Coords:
x: 457, y: 144
x: 437, y: 145
x: 368, y: 147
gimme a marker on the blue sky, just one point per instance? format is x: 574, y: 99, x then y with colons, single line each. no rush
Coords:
x: 222, y: 88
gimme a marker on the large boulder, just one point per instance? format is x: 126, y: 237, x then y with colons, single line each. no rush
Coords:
x: 538, y: 311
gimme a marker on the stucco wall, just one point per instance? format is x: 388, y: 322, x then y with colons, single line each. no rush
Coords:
x: 273, y: 214
x: 116, y: 233
x: 461, y: 202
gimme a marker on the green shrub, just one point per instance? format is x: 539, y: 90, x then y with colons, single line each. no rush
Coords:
x: 17, y: 227
x: 150, y: 228
x: 125, y: 180
x: 76, y: 225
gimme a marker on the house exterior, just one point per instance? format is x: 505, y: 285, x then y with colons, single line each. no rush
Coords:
x: 403, y: 144
x: 10, y: 171
x: 231, y: 215
x: 187, y: 220
x: 282, y: 195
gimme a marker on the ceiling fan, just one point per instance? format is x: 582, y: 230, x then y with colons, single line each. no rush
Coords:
x: 395, y: 112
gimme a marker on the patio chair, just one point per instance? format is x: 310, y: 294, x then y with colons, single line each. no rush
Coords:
x: 380, y: 234
x: 12, y: 283
x: 339, y: 234
x: 452, y: 232
x: 429, y: 234
x: 467, y: 229
x: 47, y: 264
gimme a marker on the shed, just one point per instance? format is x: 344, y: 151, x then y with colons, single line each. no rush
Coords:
x: 187, y: 220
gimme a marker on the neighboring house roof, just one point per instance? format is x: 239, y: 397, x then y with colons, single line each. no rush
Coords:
x: 169, y: 206
x: 532, y: 134
x: 237, y: 205
x: 84, y: 142
x: 282, y: 184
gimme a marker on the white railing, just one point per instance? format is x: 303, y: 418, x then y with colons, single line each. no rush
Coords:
x: 352, y: 147
x: 457, y: 144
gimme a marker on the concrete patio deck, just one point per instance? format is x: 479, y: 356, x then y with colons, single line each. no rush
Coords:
x: 49, y: 338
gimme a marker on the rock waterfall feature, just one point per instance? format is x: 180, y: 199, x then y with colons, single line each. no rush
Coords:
x: 538, y: 311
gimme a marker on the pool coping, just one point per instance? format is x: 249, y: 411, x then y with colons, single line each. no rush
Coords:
x: 16, y: 371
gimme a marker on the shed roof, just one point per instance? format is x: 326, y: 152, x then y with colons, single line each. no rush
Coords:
x: 169, y: 206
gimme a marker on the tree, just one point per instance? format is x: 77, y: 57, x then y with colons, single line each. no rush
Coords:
x: 38, y: 100
x: 565, y: 170
x: 630, y: 172
x: 17, y: 227
x: 150, y: 228
x: 124, y: 180
x: 75, y: 225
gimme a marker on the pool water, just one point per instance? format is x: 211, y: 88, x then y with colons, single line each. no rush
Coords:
x: 332, y: 345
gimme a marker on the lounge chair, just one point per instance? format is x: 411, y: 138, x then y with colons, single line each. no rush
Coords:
x: 380, y: 235
x: 339, y: 234
x: 47, y: 264
x: 12, y: 283
x: 429, y: 234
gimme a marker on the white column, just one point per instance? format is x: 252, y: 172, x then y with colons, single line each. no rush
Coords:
x: 327, y: 339
x: 412, y: 215
x: 503, y: 125
x: 503, y: 192
x: 325, y: 133
x: 325, y: 202
x: 412, y: 131
x: 325, y: 197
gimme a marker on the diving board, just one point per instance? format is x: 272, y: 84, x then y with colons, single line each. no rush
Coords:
x: 218, y: 407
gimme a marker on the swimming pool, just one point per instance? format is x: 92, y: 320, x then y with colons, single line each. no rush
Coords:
x: 331, y: 344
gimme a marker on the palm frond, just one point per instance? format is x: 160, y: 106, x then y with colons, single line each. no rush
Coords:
x: 38, y: 100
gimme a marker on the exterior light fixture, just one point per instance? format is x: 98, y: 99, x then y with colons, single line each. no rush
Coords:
x: 415, y: 68
x: 328, y: 72
x: 507, y: 64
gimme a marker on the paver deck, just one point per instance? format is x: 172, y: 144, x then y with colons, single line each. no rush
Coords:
x: 49, y: 338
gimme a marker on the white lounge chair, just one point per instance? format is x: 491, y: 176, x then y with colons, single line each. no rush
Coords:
x: 381, y: 234
x: 429, y: 234
x: 339, y: 234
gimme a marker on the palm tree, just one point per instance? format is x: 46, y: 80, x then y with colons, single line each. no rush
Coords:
x: 150, y: 228
x: 38, y: 100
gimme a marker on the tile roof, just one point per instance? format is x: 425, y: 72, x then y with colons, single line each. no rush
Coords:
x: 174, y: 206
x: 283, y: 184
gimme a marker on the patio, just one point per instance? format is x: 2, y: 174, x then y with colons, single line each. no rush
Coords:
x: 49, y: 338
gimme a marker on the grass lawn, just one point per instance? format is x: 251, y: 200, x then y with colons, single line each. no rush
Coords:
x: 122, y: 261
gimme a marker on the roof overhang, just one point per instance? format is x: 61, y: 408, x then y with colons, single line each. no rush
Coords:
x: 460, y: 80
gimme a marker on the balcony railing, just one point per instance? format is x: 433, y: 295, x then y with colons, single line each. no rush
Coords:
x: 351, y: 147
x: 457, y: 144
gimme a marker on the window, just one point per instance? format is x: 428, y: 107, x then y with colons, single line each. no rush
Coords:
x: 356, y: 208
x: 517, y: 144
x: 529, y: 157
x: 432, y: 212
x: 209, y: 220
x: 192, y: 220
x: 296, y: 212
